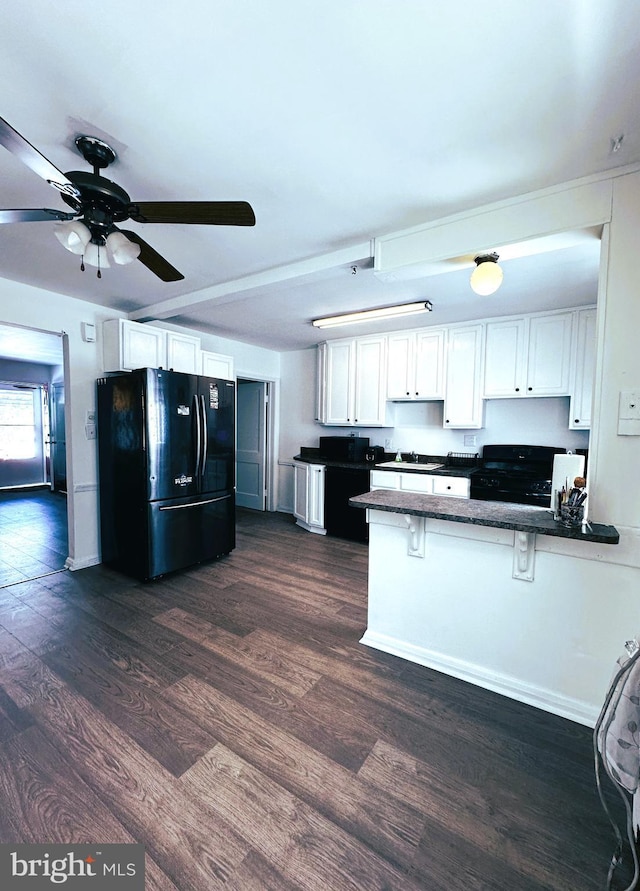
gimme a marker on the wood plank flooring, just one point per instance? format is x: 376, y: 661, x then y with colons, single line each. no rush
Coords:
x: 228, y: 719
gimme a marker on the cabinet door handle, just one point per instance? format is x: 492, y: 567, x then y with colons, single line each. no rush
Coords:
x: 517, y: 389
x: 529, y: 389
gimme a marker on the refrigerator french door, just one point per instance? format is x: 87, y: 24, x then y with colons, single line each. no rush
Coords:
x: 166, y: 447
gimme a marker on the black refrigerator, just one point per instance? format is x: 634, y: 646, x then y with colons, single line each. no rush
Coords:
x: 166, y: 459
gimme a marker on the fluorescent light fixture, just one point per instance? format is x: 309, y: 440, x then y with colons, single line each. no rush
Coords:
x: 367, y: 315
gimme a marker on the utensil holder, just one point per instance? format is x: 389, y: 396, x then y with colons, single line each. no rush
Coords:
x: 571, y: 515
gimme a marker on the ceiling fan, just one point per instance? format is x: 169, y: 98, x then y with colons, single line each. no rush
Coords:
x: 98, y: 204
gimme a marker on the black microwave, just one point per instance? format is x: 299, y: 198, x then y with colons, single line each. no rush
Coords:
x: 349, y: 449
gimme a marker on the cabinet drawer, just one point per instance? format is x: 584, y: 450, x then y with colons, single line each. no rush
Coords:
x: 416, y: 482
x: 383, y: 479
x: 457, y: 486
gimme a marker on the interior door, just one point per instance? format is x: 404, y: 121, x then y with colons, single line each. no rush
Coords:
x: 21, y: 435
x: 58, y: 439
x: 251, y: 445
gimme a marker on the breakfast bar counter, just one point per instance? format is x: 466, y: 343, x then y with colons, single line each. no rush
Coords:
x: 494, y: 593
x: 520, y: 517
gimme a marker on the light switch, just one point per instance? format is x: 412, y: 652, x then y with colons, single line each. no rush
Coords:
x: 629, y: 413
x: 88, y: 332
x: 630, y: 405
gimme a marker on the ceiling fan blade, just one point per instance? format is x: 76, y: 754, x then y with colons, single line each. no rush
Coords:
x: 153, y: 260
x: 204, y: 213
x: 29, y: 216
x: 34, y: 159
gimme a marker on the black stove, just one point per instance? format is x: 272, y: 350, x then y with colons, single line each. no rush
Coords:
x: 519, y: 474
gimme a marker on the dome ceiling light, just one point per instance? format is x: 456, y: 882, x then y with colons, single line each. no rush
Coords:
x: 486, y: 278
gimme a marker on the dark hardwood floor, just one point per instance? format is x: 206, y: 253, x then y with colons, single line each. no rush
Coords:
x: 228, y: 719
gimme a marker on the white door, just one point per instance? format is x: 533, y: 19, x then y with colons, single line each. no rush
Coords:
x: 251, y: 444
x: 21, y: 435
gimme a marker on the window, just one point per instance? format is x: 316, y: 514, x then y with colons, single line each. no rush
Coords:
x: 17, y: 423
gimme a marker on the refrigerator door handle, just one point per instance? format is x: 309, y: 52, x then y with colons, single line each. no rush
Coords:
x: 196, y: 411
x: 205, y: 433
x: 194, y: 503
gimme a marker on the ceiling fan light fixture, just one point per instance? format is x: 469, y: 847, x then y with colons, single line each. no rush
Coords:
x: 73, y: 235
x: 96, y: 255
x: 121, y: 250
x: 486, y: 278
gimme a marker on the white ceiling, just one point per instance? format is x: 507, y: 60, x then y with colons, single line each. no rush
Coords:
x: 338, y: 121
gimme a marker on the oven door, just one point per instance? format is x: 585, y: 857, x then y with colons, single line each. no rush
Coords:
x: 511, y: 489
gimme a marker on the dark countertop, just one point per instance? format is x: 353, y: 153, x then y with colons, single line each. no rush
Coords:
x: 521, y: 517
x: 440, y: 471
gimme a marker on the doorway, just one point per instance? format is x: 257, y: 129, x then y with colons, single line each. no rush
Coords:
x: 34, y: 531
x: 252, y: 443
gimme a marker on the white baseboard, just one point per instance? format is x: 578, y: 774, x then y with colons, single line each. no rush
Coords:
x: 73, y: 565
x: 549, y: 701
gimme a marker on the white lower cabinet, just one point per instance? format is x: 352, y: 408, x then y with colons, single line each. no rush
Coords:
x: 426, y: 483
x: 308, y: 485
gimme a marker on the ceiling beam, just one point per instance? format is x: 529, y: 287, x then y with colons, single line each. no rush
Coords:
x: 175, y: 306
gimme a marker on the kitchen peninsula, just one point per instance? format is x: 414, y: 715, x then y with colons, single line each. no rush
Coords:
x: 481, y: 591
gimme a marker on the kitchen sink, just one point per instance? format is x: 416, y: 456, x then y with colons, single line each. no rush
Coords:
x: 413, y: 465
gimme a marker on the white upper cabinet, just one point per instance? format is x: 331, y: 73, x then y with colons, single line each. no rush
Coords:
x: 584, y: 363
x: 353, y: 385
x: 528, y: 356
x: 127, y: 345
x: 505, y: 361
x: 415, y: 362
x: 463, y: 405
x: 339, y: 382
x: 549, y: 362
x: 217, y: 365
x: 183, y: 353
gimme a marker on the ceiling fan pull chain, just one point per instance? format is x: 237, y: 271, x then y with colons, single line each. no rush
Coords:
x: 82, y: 263
x: 99, y: 274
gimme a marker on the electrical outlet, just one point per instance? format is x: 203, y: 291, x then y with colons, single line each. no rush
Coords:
x: 470, y: 439
x: 388, y: 444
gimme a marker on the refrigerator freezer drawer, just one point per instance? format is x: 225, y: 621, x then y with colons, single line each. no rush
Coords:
x: 182, y: 534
